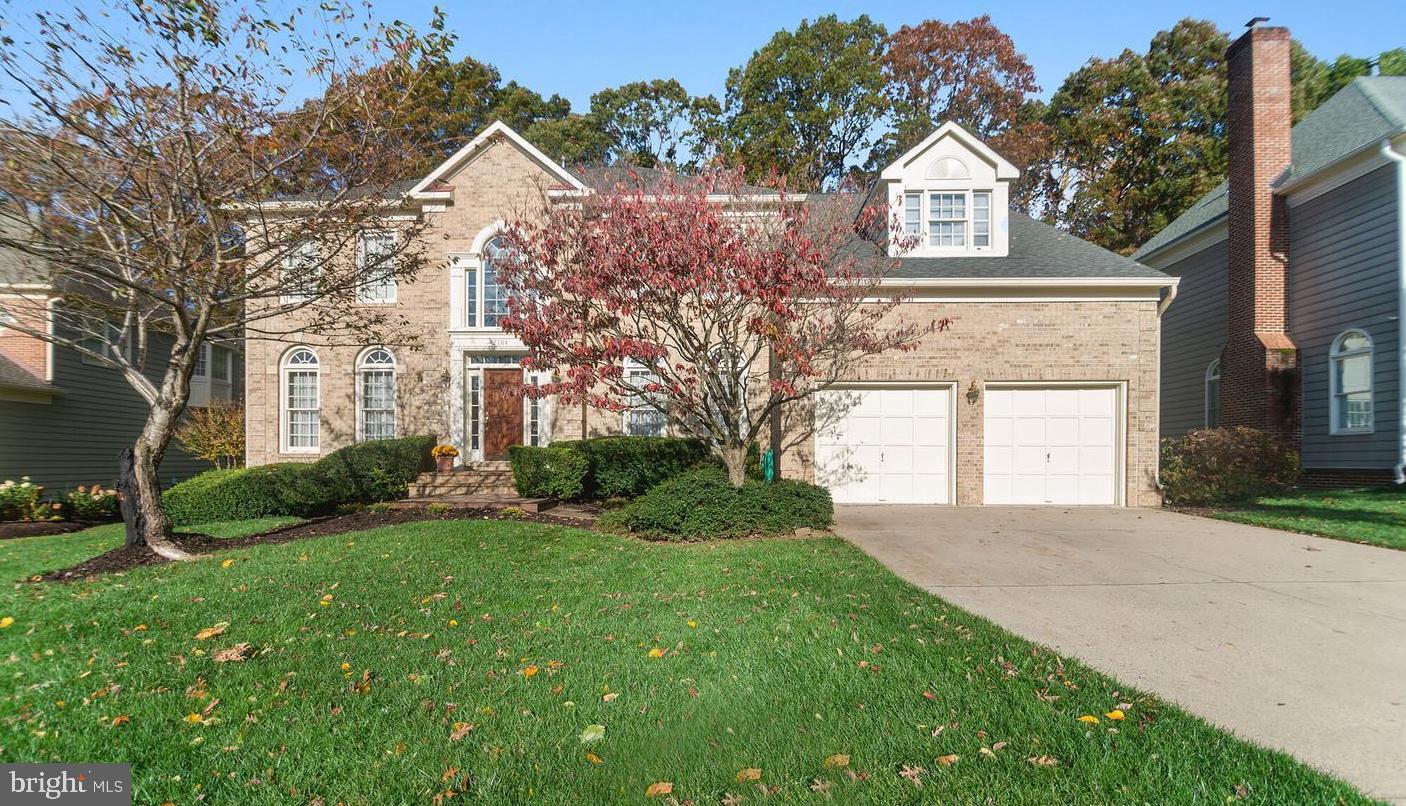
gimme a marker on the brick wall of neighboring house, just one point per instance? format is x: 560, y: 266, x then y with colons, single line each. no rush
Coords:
x: 28, y: 351
x: 498, y: 180
x: 1259, y: 366
x: 991, y: 342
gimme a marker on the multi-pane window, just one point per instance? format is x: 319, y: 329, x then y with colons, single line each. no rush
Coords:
x: 912, y: 214
x: 201, y: 362
x: 1351, y: 380
x: 981, y: 219
x: 495, y: 302
x: 376, y: 394
x: 220, y: 363
x: 1212, y: 391
x: 643, y: 418
x: 535, y: 425
x: 302, y: 270
x: 947, y: 219
x: 301, y: 401
x: 377, y: 267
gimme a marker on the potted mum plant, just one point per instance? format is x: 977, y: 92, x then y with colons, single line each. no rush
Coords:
x: 444, y: 457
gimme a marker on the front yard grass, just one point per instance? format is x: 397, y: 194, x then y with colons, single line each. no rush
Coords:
x: 469, y: 658
x: 1373, y: 516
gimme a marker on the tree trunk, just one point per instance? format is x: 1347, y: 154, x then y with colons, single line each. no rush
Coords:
x: 735, y: 460
x: 140, y: 487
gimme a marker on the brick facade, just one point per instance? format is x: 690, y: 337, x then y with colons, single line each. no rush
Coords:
x: 1259, y: 385
x: 30, y: 352
x: 1024, y: 341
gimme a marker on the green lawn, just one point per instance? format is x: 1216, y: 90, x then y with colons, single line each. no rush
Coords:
x: 1376, y: 516
x: 403, y: 663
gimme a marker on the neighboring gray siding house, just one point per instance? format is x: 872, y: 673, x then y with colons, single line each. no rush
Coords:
x: 63, y: 419
x: 1299, y: 331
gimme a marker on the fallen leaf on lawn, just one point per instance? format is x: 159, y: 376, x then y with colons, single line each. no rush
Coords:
x: 692, y: 624
x: 227, y: 563
x: 820, y: 787
x: 120, y: 719
x: 913, y: 774
x: 999, y: 746
x: 929, y: 695
x: 6, y: 622
x: 656, y: 652
x: 234, y: 654
x: 195, y: 719
x: 530, y: 671
x: 592, y: 733
x: 1116, y: 714
x: 659, y: 788
x: 611, y: 696
x: 749, y: 774
x: 1043, y: 761
x: 837, y: 761
x: 461, y: 729
x: 211, y: 632
x: 326, y: 600
x: 593, y: 758
x: 947, y: 760
x: 987, y: 752
x: 1089, y: 719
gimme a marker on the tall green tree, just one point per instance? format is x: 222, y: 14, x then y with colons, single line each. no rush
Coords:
x: 645, y: 122
x: 1316, y: 81
x: 808, y: 103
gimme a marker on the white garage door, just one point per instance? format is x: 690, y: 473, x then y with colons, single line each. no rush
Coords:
x: 1051, y: 446
x: 890, y: 446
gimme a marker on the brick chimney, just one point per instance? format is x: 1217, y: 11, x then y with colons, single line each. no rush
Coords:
x: 1259, y: 378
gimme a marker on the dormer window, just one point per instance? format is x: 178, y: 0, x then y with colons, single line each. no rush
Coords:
x: 947, y: 219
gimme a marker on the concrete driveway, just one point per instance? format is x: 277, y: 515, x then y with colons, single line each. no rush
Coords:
x: 1294, y: 642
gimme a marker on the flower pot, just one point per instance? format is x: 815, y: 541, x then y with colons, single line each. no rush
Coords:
x: 444, y: 464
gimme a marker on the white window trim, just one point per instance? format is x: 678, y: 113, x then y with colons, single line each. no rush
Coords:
x: 363, y: 367
x: 289, y: 260
x: 1336, y: 354
x: 1213, y: 372
x: 925, y: 219
x: 631, y: 365
x: 283, y: 371
x: 360, y: 261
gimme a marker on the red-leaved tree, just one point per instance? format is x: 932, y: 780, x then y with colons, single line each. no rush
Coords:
x: 712, y: 307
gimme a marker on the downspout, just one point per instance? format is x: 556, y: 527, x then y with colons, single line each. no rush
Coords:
x: 1400, y: 160
x: 1161, y: 309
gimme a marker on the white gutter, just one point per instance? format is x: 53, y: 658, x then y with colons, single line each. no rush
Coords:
x: 1032, y: 282
x: 1400, y: 160
x: 1167, y: 301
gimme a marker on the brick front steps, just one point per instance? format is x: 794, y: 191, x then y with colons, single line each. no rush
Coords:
x: 476, y: 478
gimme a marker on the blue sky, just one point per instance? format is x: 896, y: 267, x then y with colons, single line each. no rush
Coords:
x: 576, y: 48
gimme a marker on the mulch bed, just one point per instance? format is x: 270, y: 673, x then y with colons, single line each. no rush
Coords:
x: 10, y: 530
x: 127, y: 557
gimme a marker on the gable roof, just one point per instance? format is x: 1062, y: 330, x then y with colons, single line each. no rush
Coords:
x: 15, y: 376
x: 495, y: 130
x: 1356, y: 117
x: 1004, y: 169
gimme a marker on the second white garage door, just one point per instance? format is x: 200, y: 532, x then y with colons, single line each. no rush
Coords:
x: 1051, y: 445
x: 890, y: 446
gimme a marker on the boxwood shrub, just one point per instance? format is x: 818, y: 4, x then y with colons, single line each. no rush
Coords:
x: 625, y: 467
x: 1226, y: 465
x: 555, y: 471
x: 701, y: 504
x: 358, y: 474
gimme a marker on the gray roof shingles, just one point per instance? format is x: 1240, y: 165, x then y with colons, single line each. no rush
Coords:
x: 14, y: 376
x: 1359, y: 115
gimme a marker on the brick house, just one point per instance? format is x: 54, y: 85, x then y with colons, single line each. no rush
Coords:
x: 1044, y: 390
x: 1293, y: 274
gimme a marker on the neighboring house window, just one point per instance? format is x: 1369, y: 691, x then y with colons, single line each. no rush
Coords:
x: 301, y: 401
x: 376, y: 394
x: 1350, y: 379
x: 220, y: 363
x: 642, y: 419
x: 1213, y: 394
x: 947, y: 219
x: 302, y: 271
x: 377, y: 267
x: 201, y: 362
x: 99, y: 337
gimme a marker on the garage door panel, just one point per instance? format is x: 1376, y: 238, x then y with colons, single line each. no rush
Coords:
x: 1051, y: 446
x: 895, y: 443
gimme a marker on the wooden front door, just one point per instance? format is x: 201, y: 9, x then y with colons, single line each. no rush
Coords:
x: 502, y: 411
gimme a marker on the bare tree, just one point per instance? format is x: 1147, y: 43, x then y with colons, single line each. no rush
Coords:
x: 710, y: 305
x: 165, y: 192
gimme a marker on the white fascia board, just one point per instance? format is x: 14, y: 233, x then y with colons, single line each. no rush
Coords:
x: 1004, y: 169
x: 496, y: 128
x: 1031, y: 282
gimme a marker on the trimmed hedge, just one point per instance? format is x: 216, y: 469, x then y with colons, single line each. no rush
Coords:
x: 358, y: 474
x: 702, y: 504
x: 1226, y: 465
x: 554, y: 471
x: 381, y: 470
x: 614, y: 467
